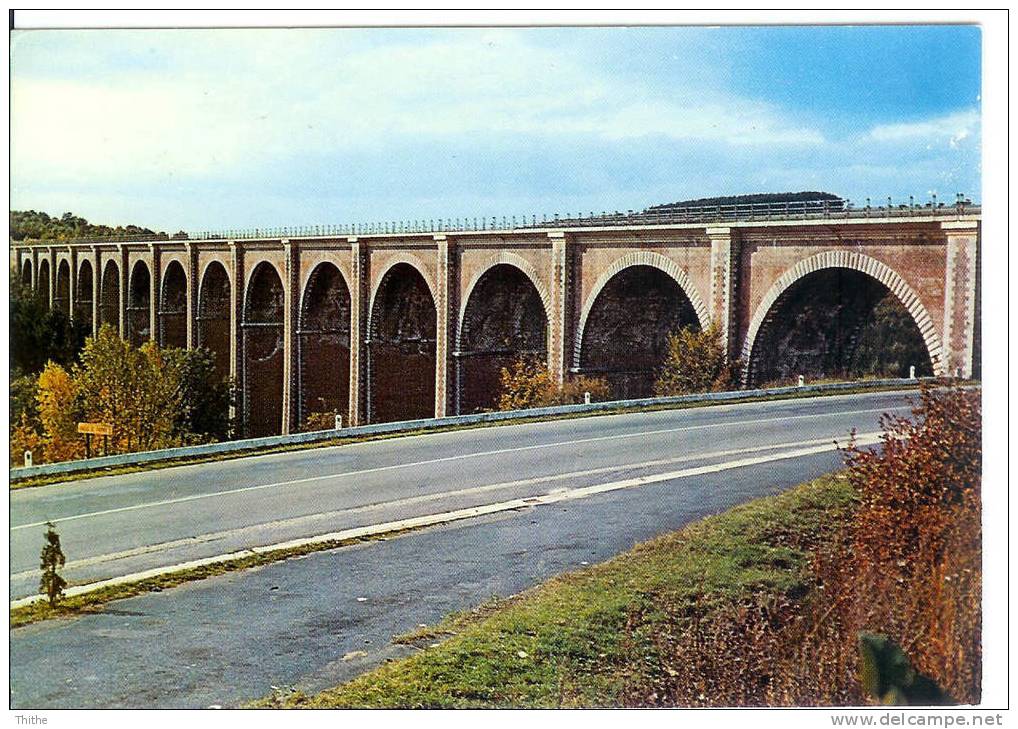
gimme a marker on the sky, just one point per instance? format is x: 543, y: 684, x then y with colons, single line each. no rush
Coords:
x: 217, y: 129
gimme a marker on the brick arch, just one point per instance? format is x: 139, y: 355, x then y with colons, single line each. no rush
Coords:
x: 641, y: 258
x: 26, y: 268
x: 857, y: 262
x: 256, y: 267
x: 309, y: 279
x: 503, y: 258
x: 415, y: 262
x: 200, y: 280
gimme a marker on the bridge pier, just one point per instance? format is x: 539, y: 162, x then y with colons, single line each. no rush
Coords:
x: 724, y: 258
x: 52, y: 278
x: 960, y: 296
x: 97, y: 274
x: 358, y: 321
x: 72, y: 284
x: 558, y: 317
x: 191, y: 295
x: 445, y: 309
x: 237, y: 411
x: 291, y: 307
x: 739, y: 274
x: 154, y: 279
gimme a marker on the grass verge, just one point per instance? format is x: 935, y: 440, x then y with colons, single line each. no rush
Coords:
x: 584, y: 638
x: 36, y: 481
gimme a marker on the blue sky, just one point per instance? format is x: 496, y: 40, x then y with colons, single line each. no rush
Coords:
x: 233, y: 128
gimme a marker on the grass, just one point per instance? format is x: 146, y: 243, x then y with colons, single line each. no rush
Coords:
x: 586, y: 637
x: 35, y: 481
x: 96, y: 600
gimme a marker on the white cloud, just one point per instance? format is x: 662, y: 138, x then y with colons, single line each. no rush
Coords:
x: 951, y: 128
x: 223, y: 100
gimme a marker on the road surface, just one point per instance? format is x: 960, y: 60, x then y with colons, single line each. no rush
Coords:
x: 232, y: 638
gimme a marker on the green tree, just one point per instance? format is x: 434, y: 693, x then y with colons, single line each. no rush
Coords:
x: 33, y: 225
x: 135, y: 390
x: 39, y: 334
x: 204, y: 414
x: 52, y: 559
x: 24, y: 389
x: 696, y: 362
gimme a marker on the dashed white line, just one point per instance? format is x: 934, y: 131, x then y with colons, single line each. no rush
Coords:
x: 444, y: 459
x: 456, y: 515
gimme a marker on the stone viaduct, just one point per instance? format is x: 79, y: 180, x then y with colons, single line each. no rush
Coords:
x: 391, y: 324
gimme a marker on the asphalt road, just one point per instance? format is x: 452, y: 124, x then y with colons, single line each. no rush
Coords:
x: 231, y: 638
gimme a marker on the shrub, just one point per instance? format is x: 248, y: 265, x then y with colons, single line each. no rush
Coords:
x: 320, y: 421
x: 696, y: 362
x: 906, y: 564
x: 527, y: 383
x: 26, y: 437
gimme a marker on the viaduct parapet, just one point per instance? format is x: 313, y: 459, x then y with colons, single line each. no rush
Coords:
x: 392, y: 325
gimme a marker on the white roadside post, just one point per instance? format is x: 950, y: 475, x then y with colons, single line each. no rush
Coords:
x: 586, y: 398
x: 802, y: 381
x: 911, y: 372
x: 28, y: 458
x: 339, y: 422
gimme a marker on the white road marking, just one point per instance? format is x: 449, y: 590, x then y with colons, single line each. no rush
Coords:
x: 424, y: 498
x: 444, y: 459
x: 450, y: 516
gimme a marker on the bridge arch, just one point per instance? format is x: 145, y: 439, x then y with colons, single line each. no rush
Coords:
x: 109, y: 296
x: 658, y: 297
x: 213, y: 317
x: 26, y: 272
x: 503, y: 316
x: 43, y: 283
x: 173, y: 307
x: 323, y: 345
x: 139, y: 324
x: 85, y: 290
x: 854, y: 261
x: 262, y: 341
x: 62, y: 300
x: 402, y: 326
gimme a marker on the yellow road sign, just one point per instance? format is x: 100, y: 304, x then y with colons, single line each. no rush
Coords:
x: 95, y: 428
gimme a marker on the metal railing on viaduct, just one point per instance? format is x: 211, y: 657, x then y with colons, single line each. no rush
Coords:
x: 415, y: 319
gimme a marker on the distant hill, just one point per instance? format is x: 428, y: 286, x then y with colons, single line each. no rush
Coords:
x: 40, y: 226
x: 756, y: 198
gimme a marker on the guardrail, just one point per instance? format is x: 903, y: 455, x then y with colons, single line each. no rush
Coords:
x: 256, y: 444
x: 701, y: 214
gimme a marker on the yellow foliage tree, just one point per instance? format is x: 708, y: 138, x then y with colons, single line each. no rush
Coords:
x: 696, y: 362
x: 527, y: 383
x: 58, y: 413
x: 133, y: 390
x: 24, y: 437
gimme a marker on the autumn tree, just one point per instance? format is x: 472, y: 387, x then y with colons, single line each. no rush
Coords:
x: 696, y: 362
x: 58, y: 410
x: 135, y: 390
x: 527, y: 383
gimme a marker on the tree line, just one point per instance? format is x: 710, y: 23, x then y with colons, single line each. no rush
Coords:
x: 34, y: 225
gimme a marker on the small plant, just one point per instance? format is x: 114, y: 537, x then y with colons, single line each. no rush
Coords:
x: 52, y: 584
x: 887, y: 675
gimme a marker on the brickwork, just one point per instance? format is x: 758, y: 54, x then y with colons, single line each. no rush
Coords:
x: 731, y: 274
